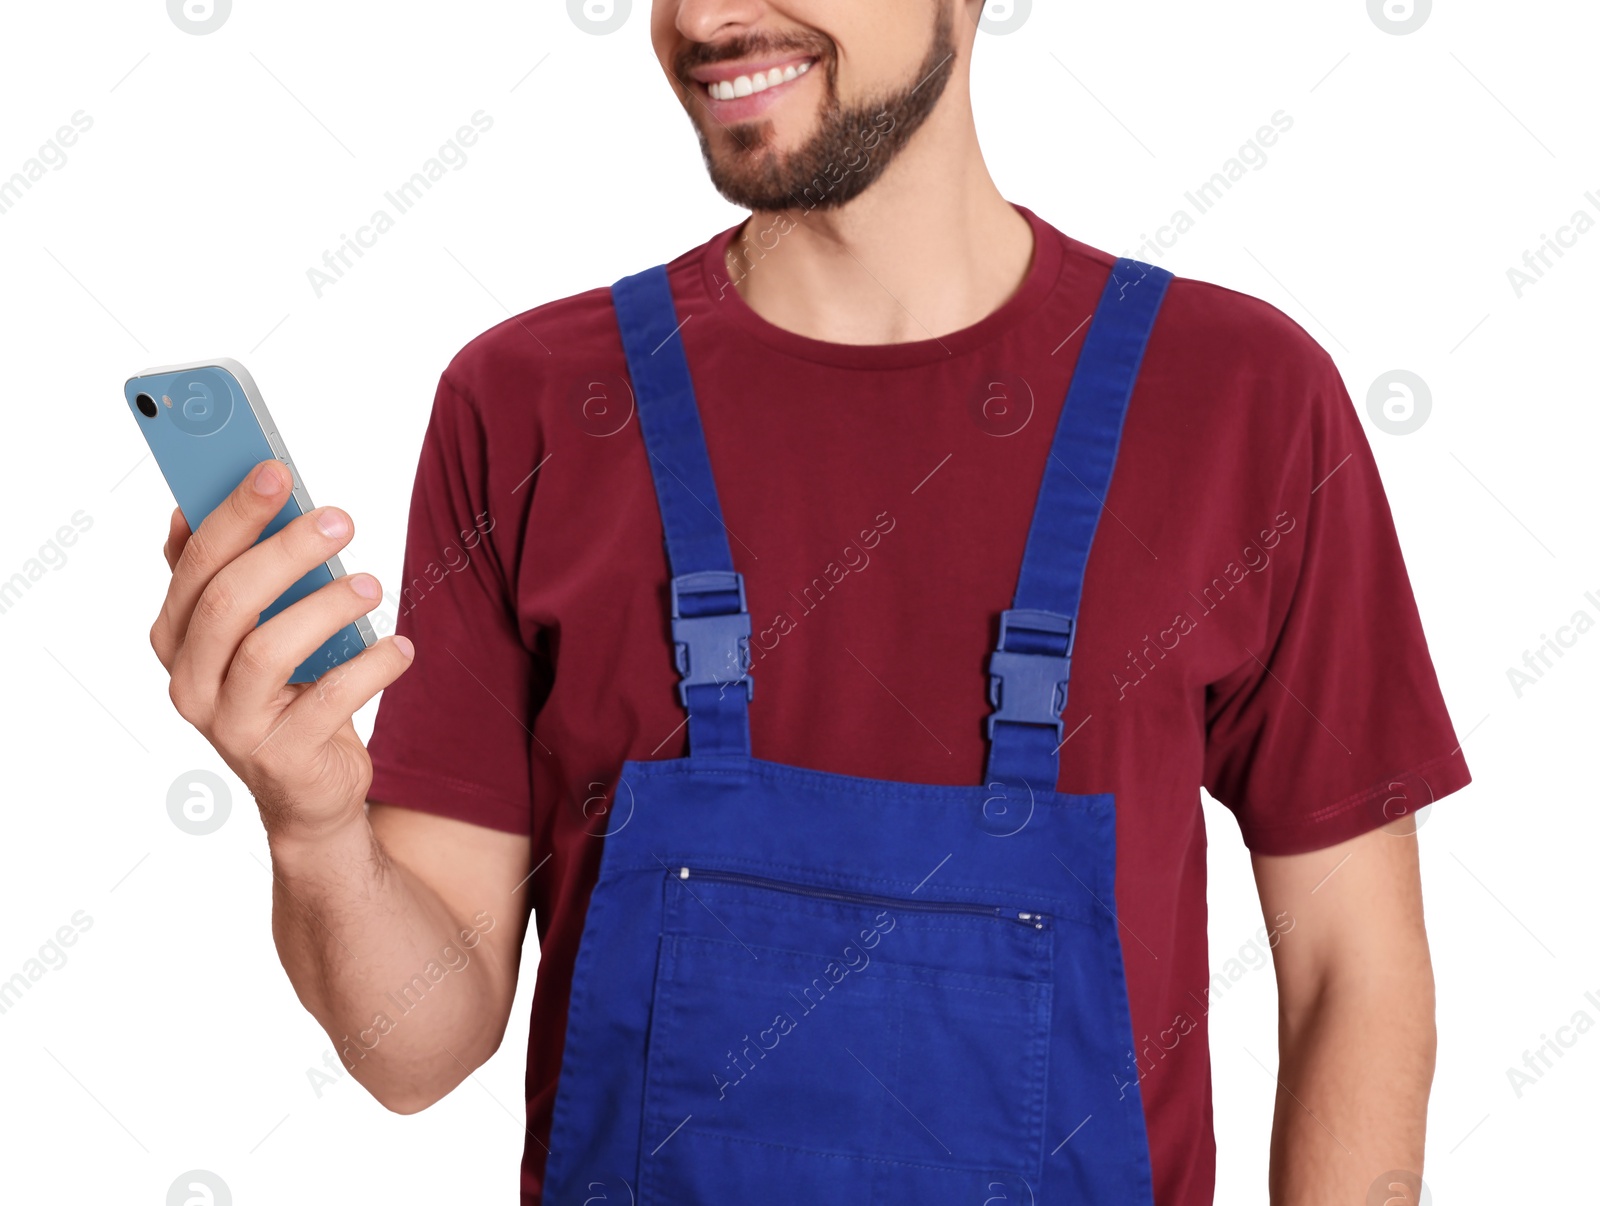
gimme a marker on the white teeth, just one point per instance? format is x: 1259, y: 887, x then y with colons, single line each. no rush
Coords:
x: 747, y: 85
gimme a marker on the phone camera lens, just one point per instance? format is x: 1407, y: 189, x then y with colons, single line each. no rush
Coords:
x: 147, y: 406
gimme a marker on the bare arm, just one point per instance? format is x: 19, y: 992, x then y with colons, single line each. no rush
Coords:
x: 400, y: 931
x: 402, y: 936
x: 1355, y: 1018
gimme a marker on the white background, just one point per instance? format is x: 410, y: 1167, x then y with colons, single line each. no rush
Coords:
x: 220, y: 167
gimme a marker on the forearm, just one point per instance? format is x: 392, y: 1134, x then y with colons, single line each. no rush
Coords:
x: 403, y: 987
x: 1355, y: 1066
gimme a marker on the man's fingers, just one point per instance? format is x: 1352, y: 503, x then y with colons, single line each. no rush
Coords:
x: 232, y: 602
x: 267, y: 656
x: 222, y: 535
x: 327, y: 705
x: 177, y: 537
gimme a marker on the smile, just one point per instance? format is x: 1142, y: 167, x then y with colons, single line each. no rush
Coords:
x: 727, y: 87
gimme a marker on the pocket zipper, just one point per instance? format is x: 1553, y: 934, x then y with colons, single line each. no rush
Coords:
x: 1035, y: 920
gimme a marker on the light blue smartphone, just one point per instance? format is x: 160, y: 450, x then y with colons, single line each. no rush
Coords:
x: 207, y: 427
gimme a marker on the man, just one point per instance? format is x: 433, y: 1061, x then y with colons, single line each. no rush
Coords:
x: 880, y: 357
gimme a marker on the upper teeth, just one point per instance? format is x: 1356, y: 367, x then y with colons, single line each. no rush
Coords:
x: 744, y: 85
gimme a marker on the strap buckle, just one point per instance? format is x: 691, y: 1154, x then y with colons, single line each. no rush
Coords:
x: 711, y: 640
x: 1028, y: 679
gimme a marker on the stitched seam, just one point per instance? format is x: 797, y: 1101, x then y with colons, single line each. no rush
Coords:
x: 706, y: 1133
x: 948, y: 793
x: 975, y: 924
x: 1329, y: 811
x: 810, y: 959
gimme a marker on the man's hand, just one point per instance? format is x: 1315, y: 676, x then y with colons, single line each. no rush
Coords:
x: 355, y: 912
x: 293, y: 745
x: 1355, y: 1019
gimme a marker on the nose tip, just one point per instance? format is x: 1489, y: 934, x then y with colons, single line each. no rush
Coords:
x: 705, y: 20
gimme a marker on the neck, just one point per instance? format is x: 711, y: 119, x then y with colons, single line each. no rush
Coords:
x: 931, y: 247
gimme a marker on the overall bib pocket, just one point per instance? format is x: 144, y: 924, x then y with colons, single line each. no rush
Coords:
x: 826, y: 1031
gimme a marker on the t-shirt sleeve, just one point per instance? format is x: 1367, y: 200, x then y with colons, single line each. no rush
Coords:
x: 453, y: 734
x: 1335, y: 723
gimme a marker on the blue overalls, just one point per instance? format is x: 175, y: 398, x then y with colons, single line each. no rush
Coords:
x: 798, y: 987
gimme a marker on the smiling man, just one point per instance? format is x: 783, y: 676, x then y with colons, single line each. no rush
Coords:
x: 826, y: 637
x: 771, y: 147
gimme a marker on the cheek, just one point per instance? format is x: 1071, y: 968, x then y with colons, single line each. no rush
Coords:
x: 879, y: 45
x: 665, y: 39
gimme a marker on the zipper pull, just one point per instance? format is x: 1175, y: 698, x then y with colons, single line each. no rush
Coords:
x: 1036, y: 920
x: 683, y: 873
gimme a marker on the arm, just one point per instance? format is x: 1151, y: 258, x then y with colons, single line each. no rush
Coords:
x: 400, y: 931
x: 402, y: 935
x: 1355, y: 1016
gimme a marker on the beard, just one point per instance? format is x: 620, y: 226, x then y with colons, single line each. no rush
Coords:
x: 851, y: 147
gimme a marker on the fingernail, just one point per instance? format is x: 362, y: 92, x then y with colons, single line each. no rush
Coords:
x: 365, y: 585
x: 407, y: 650
x: 332, y: 523
x: 267, y: 479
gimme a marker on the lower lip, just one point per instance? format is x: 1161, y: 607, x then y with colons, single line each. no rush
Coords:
x: 743, y: 108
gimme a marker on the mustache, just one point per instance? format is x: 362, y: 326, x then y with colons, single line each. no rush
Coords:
x: 749, y: 46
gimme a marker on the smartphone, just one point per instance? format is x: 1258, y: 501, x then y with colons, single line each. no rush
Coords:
x: 207, y: 427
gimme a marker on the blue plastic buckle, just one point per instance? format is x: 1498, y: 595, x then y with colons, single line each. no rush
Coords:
x: 1028, y: 683
x: 711, y: 643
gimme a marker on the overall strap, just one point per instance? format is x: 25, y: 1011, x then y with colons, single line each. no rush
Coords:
x: 1032, y: 661
x: 710, y: 622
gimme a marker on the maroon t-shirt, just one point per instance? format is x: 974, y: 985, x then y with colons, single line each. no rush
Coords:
x: 1247, y: 624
